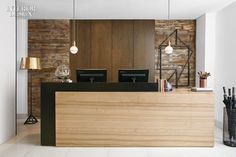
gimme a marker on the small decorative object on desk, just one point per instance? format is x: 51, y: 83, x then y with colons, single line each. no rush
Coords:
x: 195, y: 89
x: 62, y: 73
x: 163, y: 85
x: 203, y: 78
x: 229, y: 126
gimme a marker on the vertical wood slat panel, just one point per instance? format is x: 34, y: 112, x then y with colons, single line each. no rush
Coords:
x: 144, y: 46
x: 101, y: 45
x: 122, y: 46
x: 83, y: 36
x: 114, y: 45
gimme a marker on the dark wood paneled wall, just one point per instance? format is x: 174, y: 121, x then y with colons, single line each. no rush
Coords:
x: 144, y: 35
x: 101, y: 46
x: 83, y: 38
x: 114, y: 45
x: 122, y: 47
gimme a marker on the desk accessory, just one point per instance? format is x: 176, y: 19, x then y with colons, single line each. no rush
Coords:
x: 164, y: 85
x: 203, y: 78
x: 63, y: 73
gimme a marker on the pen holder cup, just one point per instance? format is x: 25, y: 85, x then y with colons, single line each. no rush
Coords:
x: 229, y: 127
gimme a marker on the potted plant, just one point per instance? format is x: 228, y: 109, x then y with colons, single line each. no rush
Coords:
x: 203, y: 78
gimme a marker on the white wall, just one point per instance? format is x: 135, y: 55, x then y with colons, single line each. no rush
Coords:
x: 22, y: 79
x: 200, y: 45
x: 7, y: 64
x: 205, y: 46
x: 225, y: 63
x: 210, y: 47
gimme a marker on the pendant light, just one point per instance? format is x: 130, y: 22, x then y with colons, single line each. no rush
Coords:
x: 169, y: 49
x: 74, y: 48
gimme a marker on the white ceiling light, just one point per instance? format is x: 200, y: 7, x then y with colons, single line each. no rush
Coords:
x: 74, y: 48
x: 169, y: 49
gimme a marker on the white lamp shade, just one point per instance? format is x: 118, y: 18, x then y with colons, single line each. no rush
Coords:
x: 169, y: 50
x: 74, y: 49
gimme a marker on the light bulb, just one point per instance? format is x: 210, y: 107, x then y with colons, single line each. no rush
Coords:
x: 74, y: 49
x: 169, y: 49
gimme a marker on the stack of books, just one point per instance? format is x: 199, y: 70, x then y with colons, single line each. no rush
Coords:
x: 163, y: 85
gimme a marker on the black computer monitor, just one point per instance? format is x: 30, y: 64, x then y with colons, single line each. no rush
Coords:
x: 91, y: 75
x: 133, y: 75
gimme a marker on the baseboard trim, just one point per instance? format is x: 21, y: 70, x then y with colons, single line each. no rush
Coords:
x: 22, y: 116
x: 219, y: 124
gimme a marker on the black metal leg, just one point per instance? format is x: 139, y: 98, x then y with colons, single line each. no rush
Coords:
x: 176, y: 78
x: 160, y: 62
x: 31, y: 119
x: 188, y: 66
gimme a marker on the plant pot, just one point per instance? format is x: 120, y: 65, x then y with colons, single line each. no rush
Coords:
x: 203, y: 83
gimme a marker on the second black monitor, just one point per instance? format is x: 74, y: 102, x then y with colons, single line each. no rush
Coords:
x: 133, y: 75
x: 91, y: 75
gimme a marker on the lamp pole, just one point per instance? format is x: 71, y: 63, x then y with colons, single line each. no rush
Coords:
x: 31, y: 119
x: 30, y: 64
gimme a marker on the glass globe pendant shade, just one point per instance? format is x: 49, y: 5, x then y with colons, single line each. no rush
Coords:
x: 169, y: 49
x: 74, y: 49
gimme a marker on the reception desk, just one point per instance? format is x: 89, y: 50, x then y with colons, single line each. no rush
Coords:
x: 128, y: 115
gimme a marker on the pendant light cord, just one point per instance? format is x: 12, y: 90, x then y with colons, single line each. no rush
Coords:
x: 168, y: 9
x: 73, y: 21
x: 169, y: 49
x: 169, y: 23
x: 73, y: 9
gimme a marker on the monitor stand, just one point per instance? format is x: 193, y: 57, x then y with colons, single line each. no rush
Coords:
x: 91, y: 79
x: 134, y: 79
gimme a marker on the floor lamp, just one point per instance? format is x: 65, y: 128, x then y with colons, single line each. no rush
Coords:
x: 30, y: 63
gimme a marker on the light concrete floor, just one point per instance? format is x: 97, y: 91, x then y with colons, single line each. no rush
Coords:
x: 27, y: 144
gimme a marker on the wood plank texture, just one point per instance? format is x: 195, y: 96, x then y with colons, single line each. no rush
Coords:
x: 114, y: 45
x: 122, y: 46
x: 134, y: 119
x: 101, y: 45
x: 144, y: 46
x: 82, y: 59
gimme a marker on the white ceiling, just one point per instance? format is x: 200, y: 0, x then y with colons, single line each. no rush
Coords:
x: 123, y: 9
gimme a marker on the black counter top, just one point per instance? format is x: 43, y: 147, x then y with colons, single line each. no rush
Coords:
x: 103, y: 87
